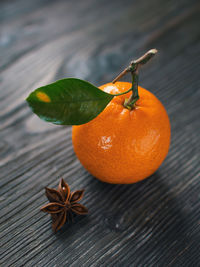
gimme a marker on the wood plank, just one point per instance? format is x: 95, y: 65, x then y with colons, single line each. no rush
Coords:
x: 152, y: 223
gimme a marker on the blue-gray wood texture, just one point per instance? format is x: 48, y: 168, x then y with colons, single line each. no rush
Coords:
x: 152, y: 223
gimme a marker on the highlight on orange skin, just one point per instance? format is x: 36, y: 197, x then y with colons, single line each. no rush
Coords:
x: 121, y: 145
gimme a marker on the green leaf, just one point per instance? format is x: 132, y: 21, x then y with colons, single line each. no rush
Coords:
x: 68, y: 102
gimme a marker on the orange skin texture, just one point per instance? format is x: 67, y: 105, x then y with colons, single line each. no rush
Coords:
x: 122, y: 146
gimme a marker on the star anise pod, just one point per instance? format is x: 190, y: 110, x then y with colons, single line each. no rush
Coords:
x: 63, y: 204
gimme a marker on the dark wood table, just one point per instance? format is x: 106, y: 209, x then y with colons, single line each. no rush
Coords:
x: 152, y: 223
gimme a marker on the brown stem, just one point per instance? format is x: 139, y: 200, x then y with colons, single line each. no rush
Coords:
x: 146, y: 57
x: 133, y: 68
x: 136, y: 63
x: 123, y: 73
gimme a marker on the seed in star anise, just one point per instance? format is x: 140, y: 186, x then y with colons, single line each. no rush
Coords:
x: 63, y: 204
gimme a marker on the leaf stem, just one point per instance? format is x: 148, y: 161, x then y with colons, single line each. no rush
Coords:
x: 133, y: 68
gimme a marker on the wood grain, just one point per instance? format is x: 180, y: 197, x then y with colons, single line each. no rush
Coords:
x: 153, y: 223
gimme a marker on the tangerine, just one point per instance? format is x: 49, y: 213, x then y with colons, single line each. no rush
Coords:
x: 122, y: 146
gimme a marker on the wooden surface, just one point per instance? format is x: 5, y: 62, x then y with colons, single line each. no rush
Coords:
x: 153, y: 223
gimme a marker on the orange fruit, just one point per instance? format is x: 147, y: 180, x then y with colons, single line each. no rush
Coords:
x: 121, y: 145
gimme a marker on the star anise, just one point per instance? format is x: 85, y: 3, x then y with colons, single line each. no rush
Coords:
x: 63, y: 204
